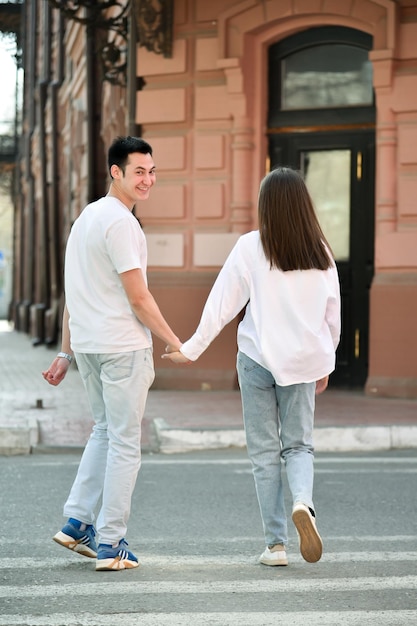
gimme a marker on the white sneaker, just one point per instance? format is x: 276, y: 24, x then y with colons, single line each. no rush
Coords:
x: 311, y: 546
x: 274, y: 556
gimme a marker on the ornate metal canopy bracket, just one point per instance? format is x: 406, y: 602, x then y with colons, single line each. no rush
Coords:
x: 11, y: 24
x: 154, y: 20
x: 95, y: 16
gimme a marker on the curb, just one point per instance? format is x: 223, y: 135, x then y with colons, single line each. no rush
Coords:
x: 18, y: 436
x: 171, y: 440
x: 364, y: 438
x: 23, y: 437
x: 326, y: 439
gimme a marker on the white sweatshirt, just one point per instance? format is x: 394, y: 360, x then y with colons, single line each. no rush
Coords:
x: 292, y: 321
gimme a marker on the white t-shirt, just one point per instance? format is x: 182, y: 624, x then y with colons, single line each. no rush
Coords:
x: 292, y: 319
x: 105, y: 240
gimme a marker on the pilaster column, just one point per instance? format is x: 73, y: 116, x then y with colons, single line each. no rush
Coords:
x: 242, y: 164
x: 386, y: 144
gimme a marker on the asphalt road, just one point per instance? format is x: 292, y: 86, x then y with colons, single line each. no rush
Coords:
x: 196, y: 529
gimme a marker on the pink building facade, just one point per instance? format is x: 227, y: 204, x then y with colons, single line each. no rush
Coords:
x: 216, y: 130
x: 326, y: 86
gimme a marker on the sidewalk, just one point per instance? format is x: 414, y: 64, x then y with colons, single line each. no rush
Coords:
x: 35, y: 416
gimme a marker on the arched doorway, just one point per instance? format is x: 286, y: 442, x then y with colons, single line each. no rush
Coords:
x: 321, y: 120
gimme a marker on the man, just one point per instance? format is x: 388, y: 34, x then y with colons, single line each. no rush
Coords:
x: 107, y: 324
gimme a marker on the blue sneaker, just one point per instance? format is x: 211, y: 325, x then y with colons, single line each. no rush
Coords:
x: 76, y: 539
x: 115, y: 558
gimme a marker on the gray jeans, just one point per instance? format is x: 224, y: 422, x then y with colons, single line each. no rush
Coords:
x: 117, y: 386
x: 278, y: 425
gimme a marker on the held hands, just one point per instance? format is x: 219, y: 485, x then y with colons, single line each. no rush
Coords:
x: 175, y: 356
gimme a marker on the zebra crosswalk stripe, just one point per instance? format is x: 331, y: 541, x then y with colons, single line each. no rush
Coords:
x: 299, y: 618
x: 371, y: 583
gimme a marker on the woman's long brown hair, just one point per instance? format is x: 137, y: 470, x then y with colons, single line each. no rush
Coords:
x: 290, y: 233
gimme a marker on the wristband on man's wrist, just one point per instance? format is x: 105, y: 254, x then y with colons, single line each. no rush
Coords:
x: 64, y: 355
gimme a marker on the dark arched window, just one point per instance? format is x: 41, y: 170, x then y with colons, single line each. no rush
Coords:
x: 320, y: 71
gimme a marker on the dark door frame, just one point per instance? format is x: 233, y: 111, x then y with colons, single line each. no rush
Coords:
x: 351, y: 127
x: 355, y: 274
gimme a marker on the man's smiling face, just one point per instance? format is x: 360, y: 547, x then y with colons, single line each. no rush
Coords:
x: 135, y: 182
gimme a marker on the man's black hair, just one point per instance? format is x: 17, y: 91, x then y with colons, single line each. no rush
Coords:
x: 123, y: 146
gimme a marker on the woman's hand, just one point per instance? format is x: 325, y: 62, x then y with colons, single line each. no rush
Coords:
x: 321, y: 385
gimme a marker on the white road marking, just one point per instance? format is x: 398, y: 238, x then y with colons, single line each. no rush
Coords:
x: 283, y: 618
x: 332, y: 472
x: 183, y: 460
x: 390, y: 539
x: 371, y: 583
x: 376, y: 470
x: 168, y: 561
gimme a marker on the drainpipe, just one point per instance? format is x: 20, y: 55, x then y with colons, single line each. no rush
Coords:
x: 131, y: 74
x: 16, y: 269
x: 96, y: 162
x: 27, y: 216
x: 43, y: 278
x: 91, y: 104
x: 52, y: 316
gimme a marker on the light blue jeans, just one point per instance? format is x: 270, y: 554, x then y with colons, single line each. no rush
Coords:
x: 117, y: 387
x: 279, y: 425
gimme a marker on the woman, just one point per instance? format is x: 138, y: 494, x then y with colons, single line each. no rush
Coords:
x: 285, y: 275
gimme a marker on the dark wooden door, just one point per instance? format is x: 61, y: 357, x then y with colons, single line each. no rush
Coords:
x: 338, y: 167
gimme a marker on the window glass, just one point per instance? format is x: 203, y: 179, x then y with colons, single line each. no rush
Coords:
x: 330, y: 75
x: 327, y: 176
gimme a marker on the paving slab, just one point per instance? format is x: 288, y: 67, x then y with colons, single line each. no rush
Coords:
x: 35, y: 416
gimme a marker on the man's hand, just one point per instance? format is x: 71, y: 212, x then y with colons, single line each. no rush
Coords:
x: 175, y: 357
x: 56, y: 371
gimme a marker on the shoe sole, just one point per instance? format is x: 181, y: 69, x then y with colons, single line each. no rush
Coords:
x: 75, y: 545
x: 115, y: 564
x: 281, y: 562
x: 311, y: 546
